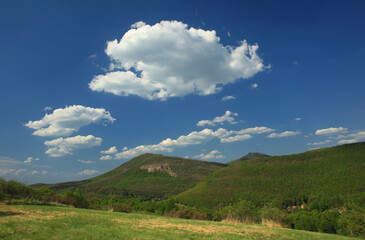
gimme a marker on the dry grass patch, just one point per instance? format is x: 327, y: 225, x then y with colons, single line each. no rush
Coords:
x: 200, y: 227
x: 12, y: 212
x: 271, y: 224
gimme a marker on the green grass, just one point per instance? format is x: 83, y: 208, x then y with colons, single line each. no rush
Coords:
x: 46, y: 222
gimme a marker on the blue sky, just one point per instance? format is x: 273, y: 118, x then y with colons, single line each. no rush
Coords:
x: 86, y: 86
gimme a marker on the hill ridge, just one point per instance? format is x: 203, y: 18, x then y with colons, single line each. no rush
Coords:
x: 148, y: 174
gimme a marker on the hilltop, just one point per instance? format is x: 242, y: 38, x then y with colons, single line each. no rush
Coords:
x: 328, y: 174
x: 147, y: 175
x: 250, y: 155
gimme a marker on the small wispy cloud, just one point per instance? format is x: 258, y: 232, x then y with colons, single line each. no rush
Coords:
x: 298, y: 119
x: 31, y: 159
x: 319, y: 143
x: 226, y: 98
x: 48, y: 108
x: 283, y: 134
x: 92, y: 56
x: 254, y: 85
x: 215, y: 154
x: 353, y: 138
x: 86, y: 162
x: 89, y: 172
x: 106, y: 157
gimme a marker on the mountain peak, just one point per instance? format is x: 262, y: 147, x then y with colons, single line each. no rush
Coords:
x: 250, y: 155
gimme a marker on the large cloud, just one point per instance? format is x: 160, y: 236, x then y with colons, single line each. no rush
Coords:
x: 169, y: 59
x: 65, y: 146
x: 65, y: 121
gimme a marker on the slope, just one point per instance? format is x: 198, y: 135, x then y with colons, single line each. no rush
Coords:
x: 250, y: 155
x: 330, y: 173
x: 147, y: 175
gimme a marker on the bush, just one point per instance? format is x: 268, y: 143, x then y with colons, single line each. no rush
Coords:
x: 268, y: 213
x: 242, y: 211
x: 304, y: 220
x: 352, y: 223
x: 328, y: 221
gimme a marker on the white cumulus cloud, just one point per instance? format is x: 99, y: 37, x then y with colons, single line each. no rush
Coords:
x: 215, y: 154
x: 65, y: 121
x: 169, y: 59
x: 255, y: 85
x: 283, y: 134
x: 111, y: 150
x: 331, y: 130
x: 66, y: 146
x: 226, y: 117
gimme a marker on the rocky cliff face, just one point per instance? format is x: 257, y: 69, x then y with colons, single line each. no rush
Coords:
x: 163, y: 167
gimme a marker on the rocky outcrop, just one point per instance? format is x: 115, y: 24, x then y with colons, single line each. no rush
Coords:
x: 163, y: 167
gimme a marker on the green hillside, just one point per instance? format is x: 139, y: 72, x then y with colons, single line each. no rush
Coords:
x: 147, y: 175
x: 323, y: 176
x: 250, y: 155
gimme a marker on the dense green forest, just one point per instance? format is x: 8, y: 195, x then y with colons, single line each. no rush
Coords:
x: 321, y: 190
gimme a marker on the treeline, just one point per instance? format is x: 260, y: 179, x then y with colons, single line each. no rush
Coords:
x: 318, y: 215
x: 14, y: 192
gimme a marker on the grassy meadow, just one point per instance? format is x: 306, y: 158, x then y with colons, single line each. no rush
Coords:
x: 49, y: 222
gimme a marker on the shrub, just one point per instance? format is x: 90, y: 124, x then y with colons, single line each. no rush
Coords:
x: 242, y: 211
x: 268, y: 213
x: 352, y: 223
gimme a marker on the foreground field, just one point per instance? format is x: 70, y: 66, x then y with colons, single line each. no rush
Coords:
x: 45, y: 222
